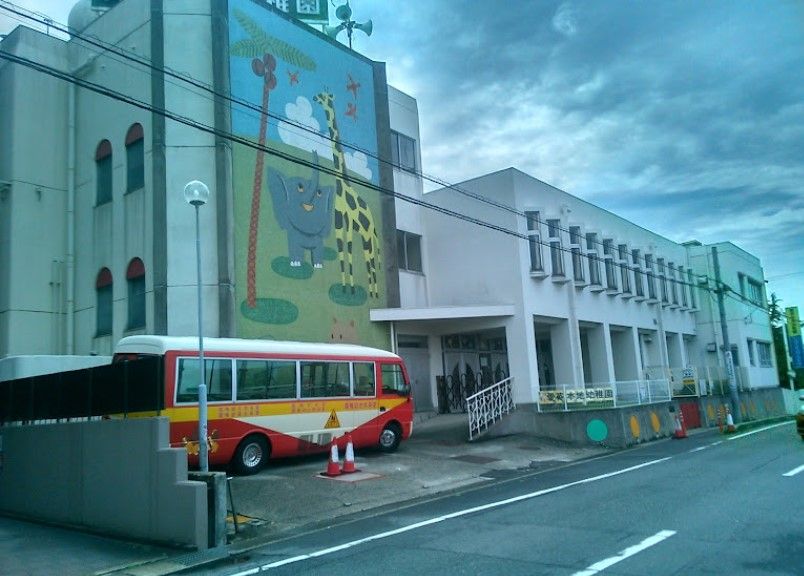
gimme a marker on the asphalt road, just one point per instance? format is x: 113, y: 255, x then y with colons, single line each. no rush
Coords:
x: 703, y: 505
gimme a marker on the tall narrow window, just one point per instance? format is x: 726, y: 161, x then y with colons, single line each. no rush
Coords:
x: 671, y: 274
x: 135, y: 158
x: 651, y: 275
x: 594, y: 259
x: 135, y: 277
x: 577, y: 258
x: 103, y: 173
x: 663, y: 279
x: 403, y: 151
x: 625, y: 272
x: 556, y: 253
x: 409, y: 251
x: 608, y: 257
x: 534, y: 242
x: 639, y: 285
x: 682, y: 285
x: 103, y: 291
x: 691, y: 278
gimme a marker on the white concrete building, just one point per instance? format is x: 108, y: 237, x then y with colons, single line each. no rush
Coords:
x: 507, y: 276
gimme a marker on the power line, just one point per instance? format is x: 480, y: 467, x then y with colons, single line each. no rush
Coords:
x: 86, y: 84
x: 44, y: 20
x: 622, y: 264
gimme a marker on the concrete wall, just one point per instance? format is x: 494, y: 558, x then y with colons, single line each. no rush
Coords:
x: 118, y: 477
x: 754, y: 405
x: 615, y: 428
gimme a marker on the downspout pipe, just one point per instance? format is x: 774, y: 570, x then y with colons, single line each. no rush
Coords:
x: 69, y: 340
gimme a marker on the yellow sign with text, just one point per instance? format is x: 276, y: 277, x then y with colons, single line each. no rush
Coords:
x: 793, y: 321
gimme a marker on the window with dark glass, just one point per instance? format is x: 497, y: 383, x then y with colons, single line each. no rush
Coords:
x: 575, y: 248
x: 265, y: 379
x: 103, y: 291
x: 364, y: 379
x: 663, y: 279
x: 393, y: 380
x: 135, y: 278
x: 324, y: 379
x: 135, y: 158
x: 691, y: 278
x: 556, y: 253
x: 651, y: 276
x: 608, y: 256
x: 103, y: 173
x: 217, y: 377
x: 625, y: 272
x: 682, y: 285
x: 534, y: 242
x: 671, y: 274
x: 409, y: 251
x: 639, y: 285
x: 593, y: 258
x: 403, y: 151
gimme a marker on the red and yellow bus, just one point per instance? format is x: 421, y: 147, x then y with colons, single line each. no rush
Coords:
x: 277, y: 399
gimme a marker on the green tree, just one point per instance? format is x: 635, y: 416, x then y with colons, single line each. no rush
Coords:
x: 775, y: 310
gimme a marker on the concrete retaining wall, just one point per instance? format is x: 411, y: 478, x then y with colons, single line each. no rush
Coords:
x: 118, y: 477
x: 614, y: 427
x: 627, y: 426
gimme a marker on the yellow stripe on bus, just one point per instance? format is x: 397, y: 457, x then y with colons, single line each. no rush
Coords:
x: 221, y: 412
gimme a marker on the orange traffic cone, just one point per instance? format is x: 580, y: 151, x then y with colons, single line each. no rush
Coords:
x: 332, y: 467
x: 349, y: 457
x: 681, y: 432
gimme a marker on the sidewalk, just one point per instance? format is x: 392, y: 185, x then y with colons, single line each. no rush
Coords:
x: 291, y: 495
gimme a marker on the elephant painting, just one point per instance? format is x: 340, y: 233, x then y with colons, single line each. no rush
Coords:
x: 304, y: 211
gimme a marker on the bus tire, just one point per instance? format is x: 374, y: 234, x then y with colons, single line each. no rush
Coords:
x: 251, y: 455
x: 390, y: 437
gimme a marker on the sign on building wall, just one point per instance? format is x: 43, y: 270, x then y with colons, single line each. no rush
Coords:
x: 794, y: 341
x: 308, y: 225
x: 307, y: 10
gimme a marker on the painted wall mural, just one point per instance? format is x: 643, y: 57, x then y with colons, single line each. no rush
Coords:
x: 308, y: 259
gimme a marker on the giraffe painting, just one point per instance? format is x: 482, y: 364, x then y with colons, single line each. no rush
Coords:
x: 352, y: 214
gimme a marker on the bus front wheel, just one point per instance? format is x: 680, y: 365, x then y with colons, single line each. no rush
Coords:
x: 390, y: 437
x: 251, y: 455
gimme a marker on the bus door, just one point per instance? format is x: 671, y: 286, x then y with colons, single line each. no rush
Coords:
x: 325, y: 391
x: 395, y: 401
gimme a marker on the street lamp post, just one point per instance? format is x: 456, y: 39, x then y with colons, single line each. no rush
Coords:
x: 196, y: 194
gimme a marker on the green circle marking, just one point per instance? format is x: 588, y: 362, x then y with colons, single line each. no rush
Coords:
x: 597, y: 430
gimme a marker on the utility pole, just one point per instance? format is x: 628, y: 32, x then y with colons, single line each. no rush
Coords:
x: 733, y: 395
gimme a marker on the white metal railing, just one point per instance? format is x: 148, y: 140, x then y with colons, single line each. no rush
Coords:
x: 609, y: 395
x: 489, y: 405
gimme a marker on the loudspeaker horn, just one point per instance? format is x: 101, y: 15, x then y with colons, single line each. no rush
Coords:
x: 333, y: 31
x: 366, y: 27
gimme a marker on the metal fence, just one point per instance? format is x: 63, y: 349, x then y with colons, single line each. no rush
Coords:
x: 489, y: 405
x: 121, y: 388
x: 609, y: 395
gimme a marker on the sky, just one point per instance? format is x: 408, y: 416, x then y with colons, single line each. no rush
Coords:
x: 685, y: 117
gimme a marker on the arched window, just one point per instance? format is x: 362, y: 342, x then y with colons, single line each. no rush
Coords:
x: 135, y: 277
x: 103, y: 288
x: 135, y: 158
x: 103, y: 170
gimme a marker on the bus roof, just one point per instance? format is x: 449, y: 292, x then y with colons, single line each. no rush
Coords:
x: 150, y: 344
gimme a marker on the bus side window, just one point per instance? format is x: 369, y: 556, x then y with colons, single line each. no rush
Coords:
x: 393, y: 380
x: 364, y: 379
x: 218, y: 379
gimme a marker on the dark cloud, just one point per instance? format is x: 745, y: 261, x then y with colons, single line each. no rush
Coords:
x: 685, y: 117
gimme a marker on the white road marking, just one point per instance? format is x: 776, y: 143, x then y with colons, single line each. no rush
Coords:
x: 438, y: 519
x: 698, y: 449
x: 630, y: 551
x: 794, y: 471
x: 758, y: 430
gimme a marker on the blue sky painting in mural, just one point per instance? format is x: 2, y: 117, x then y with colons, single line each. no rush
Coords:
x: 347, y: 77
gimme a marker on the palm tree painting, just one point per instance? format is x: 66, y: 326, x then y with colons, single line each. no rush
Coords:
x: 264, y: 49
